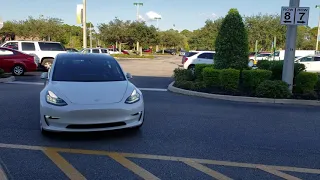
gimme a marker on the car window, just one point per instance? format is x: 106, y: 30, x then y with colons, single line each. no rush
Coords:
x: 104, y: 51
x: 316, y: 59
x: 206, y: 56
x: 5, y: 52
x: 12, y: 45
x: 49, y: 46
x: 28, y: 46
x: 87, y: 69
x: 189, y: 54
x: 306, y: 59
x: 95, y: 51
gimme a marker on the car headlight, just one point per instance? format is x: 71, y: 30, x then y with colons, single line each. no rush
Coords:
x: 134, y: 97
x: 53, y: 99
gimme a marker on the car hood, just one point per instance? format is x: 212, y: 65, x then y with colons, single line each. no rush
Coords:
x: 88, y: 93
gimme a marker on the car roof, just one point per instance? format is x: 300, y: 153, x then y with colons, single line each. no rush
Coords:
x: 33, y: 41
x: 84, y: 56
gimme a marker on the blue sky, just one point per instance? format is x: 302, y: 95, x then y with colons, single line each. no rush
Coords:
x: 185, y: 14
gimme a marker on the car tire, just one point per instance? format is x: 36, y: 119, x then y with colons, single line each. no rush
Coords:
x: 192, y: 67
x: 18, y: 70
x: 47, y: 63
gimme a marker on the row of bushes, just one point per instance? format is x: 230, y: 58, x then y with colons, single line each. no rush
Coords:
x: 262, y: 82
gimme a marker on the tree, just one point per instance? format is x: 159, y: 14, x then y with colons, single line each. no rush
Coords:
x: 232, y: 43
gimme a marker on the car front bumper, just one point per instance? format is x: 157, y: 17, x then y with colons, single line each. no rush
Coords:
x: 90, y: 118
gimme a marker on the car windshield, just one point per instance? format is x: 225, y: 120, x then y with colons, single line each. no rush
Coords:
x: 189, y: 54
x: 87, y: 69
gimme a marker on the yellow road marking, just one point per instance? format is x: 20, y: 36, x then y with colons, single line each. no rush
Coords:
x: 3, y: 175
x: 133, y: 167
x: 207, y: 170
x: 278, y: 173
x: 64, y: 165
x: 167, y: 158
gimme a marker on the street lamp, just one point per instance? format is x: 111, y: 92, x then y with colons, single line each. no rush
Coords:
x: 157, y: 18
x: 318, y: 6
x: 84, y: 23
x: 138, y: 4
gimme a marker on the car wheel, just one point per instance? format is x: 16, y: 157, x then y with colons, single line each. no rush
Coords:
x: 47, y: 63
x: 192, y: 68
x: 18, y: 70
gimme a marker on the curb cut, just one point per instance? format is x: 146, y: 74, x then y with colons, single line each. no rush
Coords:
x: 242, y: 98
x: 6, y: 80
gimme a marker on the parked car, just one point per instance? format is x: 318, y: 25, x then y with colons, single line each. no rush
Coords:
x: 44, y: 51
x: 190, y: 59
x: 312, y: 62
x: 182, y: 52
x: 89, y: 92
x: 125, y: 52
x: 114, y: 51
x: 16, y: 62
x: 95, y: 51
x: 168, y: 51
x: 260, y: 56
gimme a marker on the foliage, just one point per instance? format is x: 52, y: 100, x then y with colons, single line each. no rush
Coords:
x: 252, y: 78
x: 132, y: 56
x: 199, y: 68
x: 273, y: 89
x: 277, y: 66
x: 305, y: 82
x: 232, y: 47
x: 229, y: 79
x: 171, y: 38
x: 211, y: 77
x: 184, y: 84
x: 180, y: 74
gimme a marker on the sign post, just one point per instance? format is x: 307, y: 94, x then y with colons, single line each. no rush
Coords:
x: 292, y: 16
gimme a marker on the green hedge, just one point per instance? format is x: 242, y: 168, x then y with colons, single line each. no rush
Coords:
x: 132, y: 56
x: 277, y: 66
x: 229, y: 79
x: 211, y: 77
x: 199, y: 68
x: 305, y: 82
x: 252, y: 78
x: 273, y: 89
x: 180, y: 74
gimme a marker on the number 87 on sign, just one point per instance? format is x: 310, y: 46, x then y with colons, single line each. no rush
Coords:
x: 294, y: 16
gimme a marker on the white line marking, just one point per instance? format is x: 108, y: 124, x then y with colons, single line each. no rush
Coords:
x: 42, y: 84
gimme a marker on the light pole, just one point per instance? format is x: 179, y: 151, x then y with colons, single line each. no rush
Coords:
x: 84, y: 23
x: 317, y: 46
x: 138, y: 4
x: 157, y: 18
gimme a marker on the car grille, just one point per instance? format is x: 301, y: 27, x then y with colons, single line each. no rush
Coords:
x: 95, y: 126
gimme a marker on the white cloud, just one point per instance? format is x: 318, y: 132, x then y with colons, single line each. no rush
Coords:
x: 151, y: 15
x: 141, y: 18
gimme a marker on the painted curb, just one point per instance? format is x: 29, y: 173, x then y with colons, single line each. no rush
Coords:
x: 242, y: 98
x: 6, y: 80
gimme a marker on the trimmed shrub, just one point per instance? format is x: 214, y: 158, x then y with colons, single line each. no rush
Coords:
x: 252, y: 78
x: 211, y: 77
x: 277, y: 66
x: 232, y: 47
x: 184, y: 84
x: 180, y: 74
x: 305, y: 82
x: 197, y: 86
x: 199, y: 68
x: 273, y: 89
x: 229, y: 79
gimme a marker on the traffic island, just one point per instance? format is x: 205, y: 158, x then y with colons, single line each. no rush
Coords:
x: 174, y: 89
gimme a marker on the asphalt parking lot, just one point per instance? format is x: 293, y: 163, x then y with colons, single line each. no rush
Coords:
x: 183, y: 137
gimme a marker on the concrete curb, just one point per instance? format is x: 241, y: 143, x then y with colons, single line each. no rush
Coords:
x: 6, y: 80
x: 243, y: 98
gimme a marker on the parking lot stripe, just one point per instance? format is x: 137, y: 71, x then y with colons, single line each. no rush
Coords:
x: 207, y: 170
x: 64, y: 165
x: 3, y: 175
x: 133, y: 167
x: 277, y: 173
x: 167, y: 158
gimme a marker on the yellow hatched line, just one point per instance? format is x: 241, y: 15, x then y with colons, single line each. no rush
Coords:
x: 167, y: 158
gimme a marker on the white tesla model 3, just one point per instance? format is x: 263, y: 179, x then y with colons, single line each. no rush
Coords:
x: 89, y: 92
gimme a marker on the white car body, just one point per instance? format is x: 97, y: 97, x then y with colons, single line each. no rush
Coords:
x: 114, y: 51
x: 279, y: 55
x: 40, y: 49
x: 89, y: 106
x: 95, y: 51
x: 197, y: 57
x: 312, y: 62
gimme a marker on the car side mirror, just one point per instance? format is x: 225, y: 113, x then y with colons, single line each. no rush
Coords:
x: 129, y: 76
x: 44, y: 75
